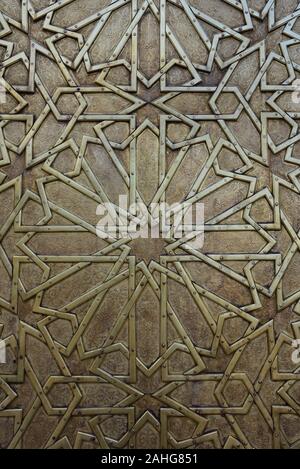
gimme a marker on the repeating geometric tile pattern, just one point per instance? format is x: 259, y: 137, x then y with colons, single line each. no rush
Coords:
x: 136, y: 344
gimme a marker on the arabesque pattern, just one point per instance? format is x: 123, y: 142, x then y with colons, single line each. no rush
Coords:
x: 137, y: 344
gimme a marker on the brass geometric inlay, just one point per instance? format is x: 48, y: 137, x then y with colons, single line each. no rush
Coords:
x: 134, y: 344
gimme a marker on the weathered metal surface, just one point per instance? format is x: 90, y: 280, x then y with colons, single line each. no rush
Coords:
x: 119, y: 344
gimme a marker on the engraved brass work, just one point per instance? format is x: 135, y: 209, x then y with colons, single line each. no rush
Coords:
x: 149, y: 343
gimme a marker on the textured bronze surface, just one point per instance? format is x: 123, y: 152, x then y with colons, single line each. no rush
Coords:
x: 149, y: 343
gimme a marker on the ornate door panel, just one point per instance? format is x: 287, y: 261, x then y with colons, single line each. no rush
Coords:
x: 149, y: 343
